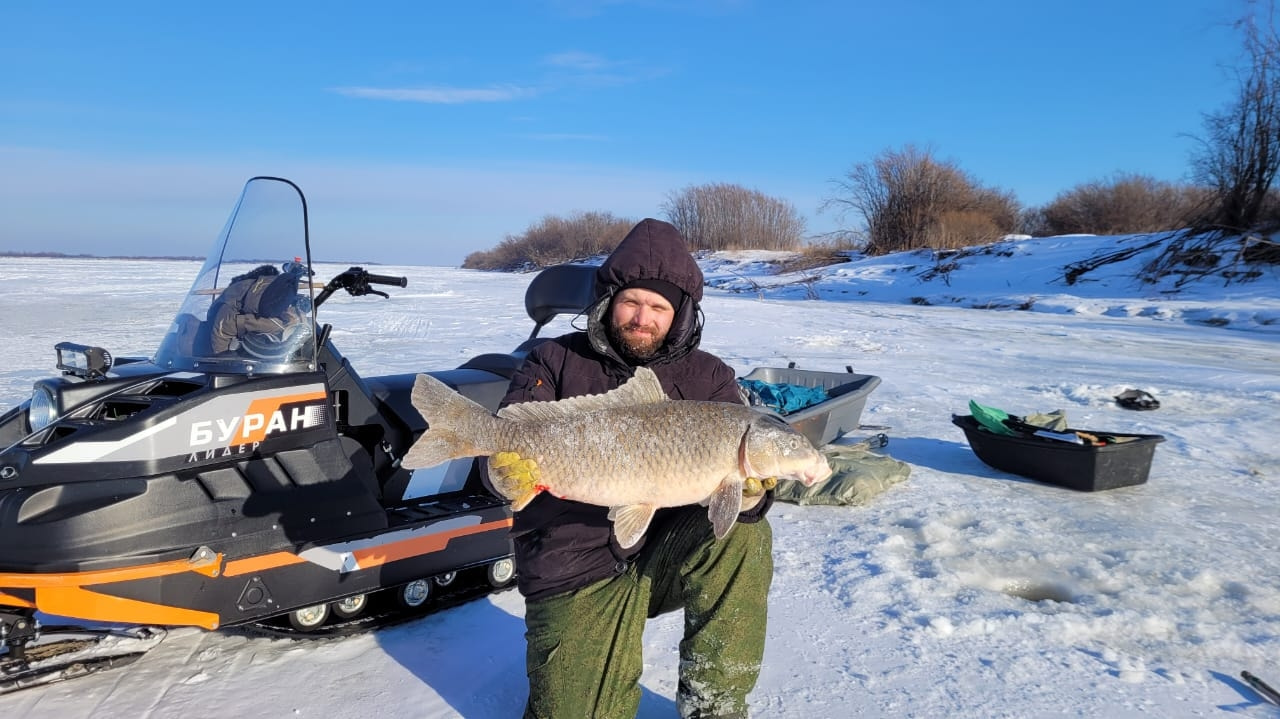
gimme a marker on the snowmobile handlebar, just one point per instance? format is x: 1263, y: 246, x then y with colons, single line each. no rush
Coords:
x: 388, y: 280
x: 356, y: 281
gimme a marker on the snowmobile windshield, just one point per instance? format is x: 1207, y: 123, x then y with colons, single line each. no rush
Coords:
x: 250, y: 308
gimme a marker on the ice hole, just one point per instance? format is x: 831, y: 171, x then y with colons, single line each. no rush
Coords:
x: 1038, y: 591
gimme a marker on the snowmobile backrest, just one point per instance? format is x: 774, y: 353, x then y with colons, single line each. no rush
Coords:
x: 559, y: 290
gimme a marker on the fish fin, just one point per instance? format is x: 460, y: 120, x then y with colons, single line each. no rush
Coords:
x: 726, y: 503
x: 456, y: 426
x: 630, y: 522
x: 433, y: 448
x: 643, y: 388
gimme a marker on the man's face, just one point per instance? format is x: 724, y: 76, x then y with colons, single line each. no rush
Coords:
x: 639, y: 322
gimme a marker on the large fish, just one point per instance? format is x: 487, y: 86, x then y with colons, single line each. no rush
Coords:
x: 633, y: 449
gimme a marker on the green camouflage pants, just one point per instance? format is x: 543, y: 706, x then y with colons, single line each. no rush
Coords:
x: 584, y: 647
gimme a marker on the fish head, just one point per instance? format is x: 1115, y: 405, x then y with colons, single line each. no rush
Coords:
x: 773, y: 448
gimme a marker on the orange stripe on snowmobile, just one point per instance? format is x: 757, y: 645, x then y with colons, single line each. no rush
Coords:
x: 208, y: 567
x: 377, y: 556
x: 84, y: 604
x: 268, y: 406
x: 8, y: 600
x: 261, y: 563
x: 365, y: 558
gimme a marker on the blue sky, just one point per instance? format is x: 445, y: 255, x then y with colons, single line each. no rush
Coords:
x: 422, y: 131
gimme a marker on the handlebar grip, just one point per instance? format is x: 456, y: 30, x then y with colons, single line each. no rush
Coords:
x: 388, y: 280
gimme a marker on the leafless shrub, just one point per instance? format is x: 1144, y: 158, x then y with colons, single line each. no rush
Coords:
x: 731, y: 217
x: 814, y: 256
x: 1123, y: 204
x: 963, y: 228
x: 552, y: 241
x: 907, y: 199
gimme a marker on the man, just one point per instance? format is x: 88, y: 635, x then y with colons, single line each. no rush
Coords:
x: 587, y: 599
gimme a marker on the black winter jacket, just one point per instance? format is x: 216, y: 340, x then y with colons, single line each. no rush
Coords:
x: 562, y: 545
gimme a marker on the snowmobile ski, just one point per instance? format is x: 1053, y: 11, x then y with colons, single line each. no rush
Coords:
x: 71, y: 652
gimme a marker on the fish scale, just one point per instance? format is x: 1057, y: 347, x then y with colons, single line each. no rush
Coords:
x: 618, y: 457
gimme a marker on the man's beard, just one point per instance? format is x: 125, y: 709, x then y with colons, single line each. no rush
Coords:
x: 641, y: 347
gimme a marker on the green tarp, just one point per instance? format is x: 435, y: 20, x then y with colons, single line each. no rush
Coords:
x: 859, y: 475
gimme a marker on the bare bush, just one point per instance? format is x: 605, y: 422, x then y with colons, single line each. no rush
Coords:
x: 552, y: 241
x: 813, y: 256
x: 1124, y: 204
x: 907, y: 199
x: 731, y: 217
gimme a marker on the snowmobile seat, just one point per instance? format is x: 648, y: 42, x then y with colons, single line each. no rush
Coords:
x: 559, y: 290
x: 396, y: 391
x: 503, y: 365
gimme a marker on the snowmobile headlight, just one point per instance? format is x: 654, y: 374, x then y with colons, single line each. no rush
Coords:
x: 82, y: 360
x: 42, y: 410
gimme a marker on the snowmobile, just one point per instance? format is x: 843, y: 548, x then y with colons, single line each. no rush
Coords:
x: 246, y: 475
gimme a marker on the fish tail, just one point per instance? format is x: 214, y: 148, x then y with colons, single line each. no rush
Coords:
x: 456, y: 426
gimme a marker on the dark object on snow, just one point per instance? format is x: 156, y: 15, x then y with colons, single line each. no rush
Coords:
x: 1137, y: 399
x: 823, y: 423
x: 1123, y: 459
x: 1262, y: 688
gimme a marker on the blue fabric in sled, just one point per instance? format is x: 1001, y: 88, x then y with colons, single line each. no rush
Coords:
x: 781, y: 397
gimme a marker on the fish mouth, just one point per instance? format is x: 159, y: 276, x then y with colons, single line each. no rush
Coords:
x: 819, y: 472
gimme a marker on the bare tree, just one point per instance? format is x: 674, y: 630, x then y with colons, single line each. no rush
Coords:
x: 1240, y: 150
x: 908, y: 199
x: 731, y: 217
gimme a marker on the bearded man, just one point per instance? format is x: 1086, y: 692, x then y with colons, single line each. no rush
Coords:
x: 587, y: 599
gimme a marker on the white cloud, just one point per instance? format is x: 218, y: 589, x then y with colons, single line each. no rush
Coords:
x: 439, y: 95
x: 578, y: 61
x: 565, y: 137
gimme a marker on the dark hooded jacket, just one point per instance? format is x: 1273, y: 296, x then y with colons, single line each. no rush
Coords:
x: 562, y: 545
x: 256, y: 301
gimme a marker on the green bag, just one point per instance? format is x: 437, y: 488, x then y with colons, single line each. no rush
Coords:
x: 991, y: 418
x: 858, y: 475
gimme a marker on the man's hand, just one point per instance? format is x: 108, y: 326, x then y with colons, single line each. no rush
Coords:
x: 756, y: 486
x: 753, y: 489
x: 513, y: 477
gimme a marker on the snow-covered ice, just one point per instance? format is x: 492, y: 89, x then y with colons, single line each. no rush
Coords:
x: 962, y: 592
